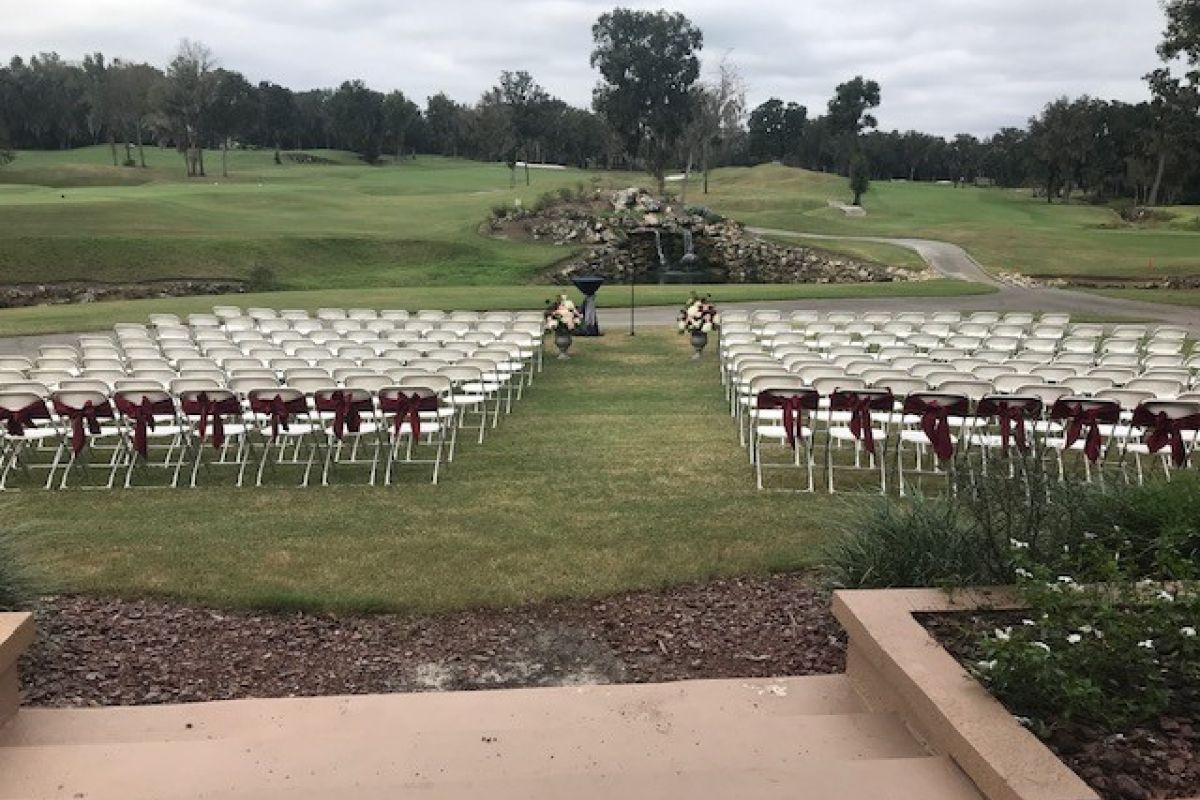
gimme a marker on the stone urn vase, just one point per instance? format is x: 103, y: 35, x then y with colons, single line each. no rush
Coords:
x: 699, y: 341
x: 562, y: 340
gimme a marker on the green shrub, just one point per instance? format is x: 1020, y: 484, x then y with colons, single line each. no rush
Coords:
x: 16, y: 585
x: 566, y: 194
x: 545, y: 201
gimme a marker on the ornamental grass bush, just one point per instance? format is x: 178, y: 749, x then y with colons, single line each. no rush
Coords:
x: 965, y: 538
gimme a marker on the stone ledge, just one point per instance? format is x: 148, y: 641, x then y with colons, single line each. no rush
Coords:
x: 16, y: 634
x: 897, y: 666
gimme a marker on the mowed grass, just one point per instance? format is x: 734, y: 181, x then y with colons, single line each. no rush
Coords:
x: 78, y: 318
x: 619, y: 470
x: 1004, y: 229
x: 338, y: 225
x: 1175, y: 297
x: 338, y: 233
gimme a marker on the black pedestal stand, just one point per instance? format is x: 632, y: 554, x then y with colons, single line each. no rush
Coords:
x: 589, y: 285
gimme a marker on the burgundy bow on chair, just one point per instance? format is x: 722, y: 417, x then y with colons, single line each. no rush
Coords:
x: 86, y: 415
x: 935, y: 421
x: 1011, y: 416
x: 860, y: 421
x: 279, y: 416
x: 209, y: 408
x: 792, y: 407
x: 1090, y: 419
x: 408, y: 409
x: 345, y: 414
x: 143, y: 421
x: 16, y: 422
x: 1169, y: 430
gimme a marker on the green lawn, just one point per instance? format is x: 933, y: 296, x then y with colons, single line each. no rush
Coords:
x: 1175, y: 297
x: 620, y: 469
x: 340, y: 233
x: 345, y: 225
x: 78, y: 318
x: 1003, y: 229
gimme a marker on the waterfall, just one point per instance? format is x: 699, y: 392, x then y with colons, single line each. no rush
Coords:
x: 662, y: 259
x: 687, y: 244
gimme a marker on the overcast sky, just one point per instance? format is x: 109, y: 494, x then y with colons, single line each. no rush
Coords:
x: 944, y: 65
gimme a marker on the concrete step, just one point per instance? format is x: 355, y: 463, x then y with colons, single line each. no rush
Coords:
x: 799, y: 737
x: 919, y: 778
x: 688, y: 704
x: 928, y: 778
x: 493, y: 752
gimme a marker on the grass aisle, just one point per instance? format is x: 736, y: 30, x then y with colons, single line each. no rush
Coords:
x: 620, y: 469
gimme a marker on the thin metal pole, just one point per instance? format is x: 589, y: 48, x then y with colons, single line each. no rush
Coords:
x: 632, y: 299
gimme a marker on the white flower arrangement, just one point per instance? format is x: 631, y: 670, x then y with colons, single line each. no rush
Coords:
x: 561, y: 316
x: 698, y: 316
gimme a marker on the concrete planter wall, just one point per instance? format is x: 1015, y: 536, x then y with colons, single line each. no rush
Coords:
x: 897, y: 666
x: 16, y: 634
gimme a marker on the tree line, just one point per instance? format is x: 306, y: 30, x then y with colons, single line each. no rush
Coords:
x: 1148, y: 152
x: 650, y: 111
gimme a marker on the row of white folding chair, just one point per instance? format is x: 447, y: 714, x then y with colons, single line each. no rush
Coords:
x: 1005, y: 377
x: 914, y: 317
x: 845, y: 322
x: 336, y: 371
x: 1038, y: 341
x: 976, y: 385
x: 175, y: 424
x: 1180, y: 379
x: 414, y: 329
x: 163, y: 373
x: 174, y: 353
x: 991, y: 352
x: 899, y: 330
x: 221, y: 313
x: 1047, y: 327
x: 1047, y: 323
x: 856, y: 350
x: 217, y: 358
x: 314, y: 329
x: 364, y: 338
x: 244, y: 345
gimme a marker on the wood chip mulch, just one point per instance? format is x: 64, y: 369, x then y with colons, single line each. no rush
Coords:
x: 1160, y: 759
x: 106, y: 651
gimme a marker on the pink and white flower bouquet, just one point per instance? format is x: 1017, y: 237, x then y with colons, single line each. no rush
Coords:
x: 699, y: 316
x: 562, y: 316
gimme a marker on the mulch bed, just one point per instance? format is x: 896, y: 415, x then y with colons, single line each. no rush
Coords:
x: 1156, y: 760
x: 106, y: 651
